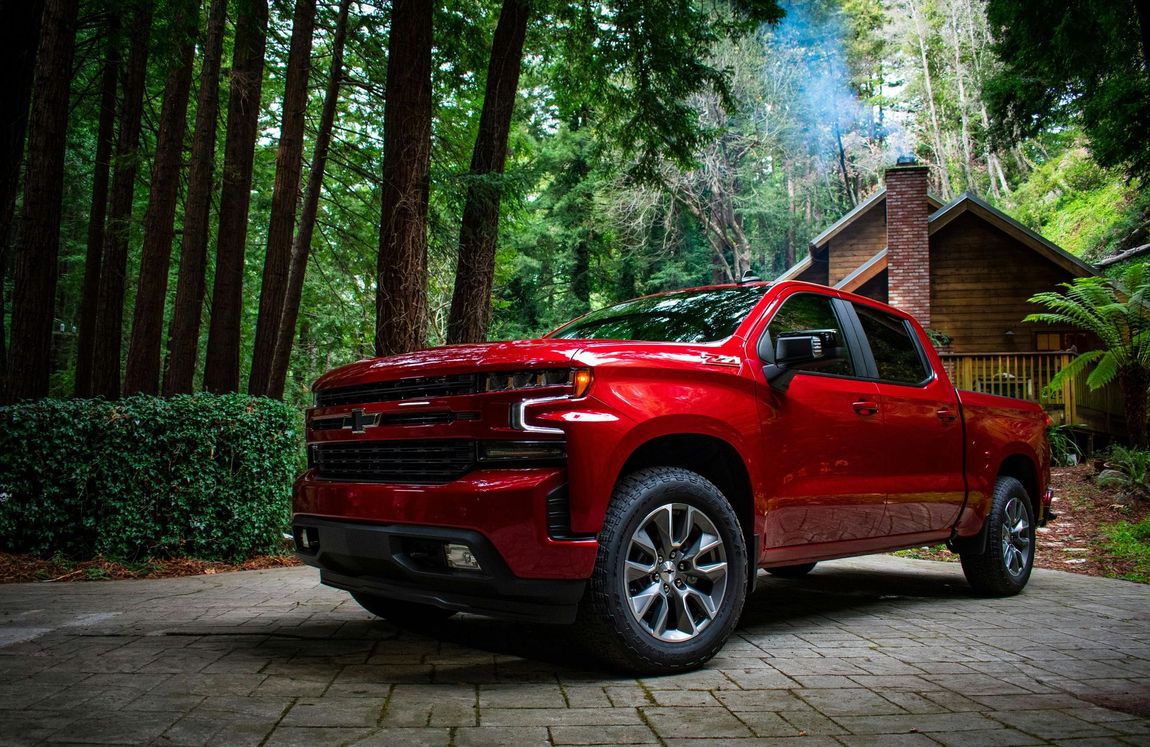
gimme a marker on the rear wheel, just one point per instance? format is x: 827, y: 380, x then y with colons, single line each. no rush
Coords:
x: 671, y: 576
x: 792, y: 571
x: 408, y: 614
x: 1004, y: 566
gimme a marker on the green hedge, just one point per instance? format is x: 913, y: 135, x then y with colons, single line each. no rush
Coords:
x: 206, y: 476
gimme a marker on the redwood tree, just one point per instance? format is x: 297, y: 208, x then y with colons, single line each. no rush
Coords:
x: 18, y: 40
x: 37, y: 253
x: 471, y: 301
x: 143, y: 369
x: 110, y: 303
x: 401, y: 295
x: 285, y: 195
x: 98, y: 212
x: 184, y: 331
x: 222, y: 365
x: 301, y: 246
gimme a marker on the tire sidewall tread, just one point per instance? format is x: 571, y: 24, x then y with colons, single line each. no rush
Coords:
x: 606, y: 623
x: 986, y: 571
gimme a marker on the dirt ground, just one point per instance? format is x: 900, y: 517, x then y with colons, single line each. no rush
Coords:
x: 1069, y: 543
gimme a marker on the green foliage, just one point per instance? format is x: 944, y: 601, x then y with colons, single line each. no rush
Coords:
x: 1127, y: 541
x: 1113, y: 309
x: 203, y: 476
x: 1128, y: 469
x: 1064, y: 450
x: 1076, y: 203
x: 1072, y: 62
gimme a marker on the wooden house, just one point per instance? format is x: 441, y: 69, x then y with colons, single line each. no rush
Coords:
x: 965, y: 270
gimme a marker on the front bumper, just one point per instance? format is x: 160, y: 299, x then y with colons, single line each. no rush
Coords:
x: 366, y: 532
x: 399, y: 562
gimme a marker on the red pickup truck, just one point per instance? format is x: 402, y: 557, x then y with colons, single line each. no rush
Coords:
x: 630, y: 472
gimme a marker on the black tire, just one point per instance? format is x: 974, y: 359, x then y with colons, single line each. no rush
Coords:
x: 677, y: 576
x: 407, y: 614
x: 792, y: 571
x: 1003, y: 567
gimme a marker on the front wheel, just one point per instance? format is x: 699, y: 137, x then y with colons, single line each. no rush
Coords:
x: 671, y: 576
x: 1003, y: 567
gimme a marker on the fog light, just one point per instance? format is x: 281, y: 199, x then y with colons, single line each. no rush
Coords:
x: 460, y: 557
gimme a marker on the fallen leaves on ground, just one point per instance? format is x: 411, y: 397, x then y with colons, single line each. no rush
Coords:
x: 22, y: 568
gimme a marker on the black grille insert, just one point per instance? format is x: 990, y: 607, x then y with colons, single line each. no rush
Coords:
x: 425, y: 462
x: 400, y: 389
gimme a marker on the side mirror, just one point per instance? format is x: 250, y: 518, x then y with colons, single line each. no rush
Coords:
x: 798, y: 350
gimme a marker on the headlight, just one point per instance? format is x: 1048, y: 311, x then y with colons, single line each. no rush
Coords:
x: 507, y: 381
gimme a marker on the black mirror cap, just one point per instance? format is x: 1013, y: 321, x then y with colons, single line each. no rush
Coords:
x: 799, y: 349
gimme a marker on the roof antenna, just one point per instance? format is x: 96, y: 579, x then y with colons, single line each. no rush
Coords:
x: 749, y: 276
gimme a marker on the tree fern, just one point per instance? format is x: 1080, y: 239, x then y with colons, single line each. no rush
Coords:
x: 1115, y: 311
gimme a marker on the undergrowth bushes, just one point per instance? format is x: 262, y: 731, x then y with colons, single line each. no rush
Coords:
x: 206, y: 476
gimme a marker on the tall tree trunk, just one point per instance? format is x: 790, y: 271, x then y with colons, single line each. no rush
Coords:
x: 1142, y: 8
x: 143, y: 370
x: 285, y: 196
x: 1134, y: 381
x: 98, y: 212
x: 222, y: 365
x: 301, y: 246
x: 401, y: 295
x: 110, y: 303
x: 935, y: 131
x: 790, y: 256
x: 18, y: 40
x: 964, y: 119
x: 471, y: 301
x: 34, y: 284
x: 184, y: 330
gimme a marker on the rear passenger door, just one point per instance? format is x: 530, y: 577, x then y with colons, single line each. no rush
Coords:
x: 922, y: 427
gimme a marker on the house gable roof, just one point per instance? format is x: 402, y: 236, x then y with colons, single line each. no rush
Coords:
x: 857, y: 212
x: 968, y: 203
x: 942, y: 216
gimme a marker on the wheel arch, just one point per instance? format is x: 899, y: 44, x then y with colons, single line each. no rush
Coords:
x: 1023, y: 468
x: 715, y: 459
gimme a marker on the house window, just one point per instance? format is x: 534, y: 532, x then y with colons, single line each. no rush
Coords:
x: 1054, y: 341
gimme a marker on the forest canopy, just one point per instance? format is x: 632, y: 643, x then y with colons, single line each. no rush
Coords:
x: 236, y: 195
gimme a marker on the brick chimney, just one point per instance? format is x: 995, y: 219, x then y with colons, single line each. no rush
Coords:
x: 907, y: 241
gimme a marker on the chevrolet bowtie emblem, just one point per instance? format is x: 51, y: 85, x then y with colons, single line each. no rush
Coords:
x: 358, y: 421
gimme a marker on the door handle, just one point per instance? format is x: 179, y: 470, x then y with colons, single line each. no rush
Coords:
x: 865, y: 407
x: 946, y: 415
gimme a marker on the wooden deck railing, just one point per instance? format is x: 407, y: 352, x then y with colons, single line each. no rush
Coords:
x: 1027, y: 375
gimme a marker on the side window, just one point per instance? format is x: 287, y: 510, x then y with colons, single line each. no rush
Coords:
x: 895, y: 352
x: 806, y: 313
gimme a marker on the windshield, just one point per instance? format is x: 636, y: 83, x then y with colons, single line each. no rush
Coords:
x: 685, y: 316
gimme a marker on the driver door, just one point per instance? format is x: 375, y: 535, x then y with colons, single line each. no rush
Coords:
x: 822, y: 436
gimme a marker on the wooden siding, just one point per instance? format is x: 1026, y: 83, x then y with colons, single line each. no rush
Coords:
x: 980, y: 282
x: 817, y: 272
x: 856, y: 244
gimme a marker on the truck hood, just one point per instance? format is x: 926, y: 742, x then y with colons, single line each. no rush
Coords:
x: 456, y: 359
x: 518, y: 354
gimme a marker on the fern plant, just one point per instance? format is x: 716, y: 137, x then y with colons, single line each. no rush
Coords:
x: 1115, y: 310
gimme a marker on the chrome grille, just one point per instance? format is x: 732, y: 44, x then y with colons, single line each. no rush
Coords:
x: 425, y: 462
x: 389, y: 391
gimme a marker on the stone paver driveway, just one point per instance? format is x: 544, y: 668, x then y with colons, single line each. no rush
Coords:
x: 880, y: 651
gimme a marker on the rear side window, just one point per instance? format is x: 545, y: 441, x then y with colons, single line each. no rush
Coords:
x: 808, y: 312
x: 892, y: 343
